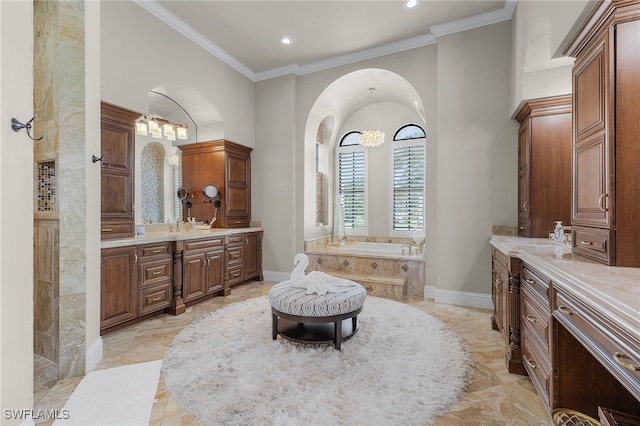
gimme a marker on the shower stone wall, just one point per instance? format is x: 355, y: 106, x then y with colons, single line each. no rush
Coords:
x: 60, y: 231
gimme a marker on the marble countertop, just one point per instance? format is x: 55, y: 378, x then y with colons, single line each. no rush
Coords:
x: 162, y: 236
x: 612, y: 291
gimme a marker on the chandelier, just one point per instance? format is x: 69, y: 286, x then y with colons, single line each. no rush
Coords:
x: 155, y: 125
x: 371, y: 138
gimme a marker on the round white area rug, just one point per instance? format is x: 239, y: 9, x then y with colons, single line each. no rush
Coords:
x: 403, y: 367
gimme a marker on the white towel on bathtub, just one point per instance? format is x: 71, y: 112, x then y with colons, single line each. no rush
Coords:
x: 316, y: 281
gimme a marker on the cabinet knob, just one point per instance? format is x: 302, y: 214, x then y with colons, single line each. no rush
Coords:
x: 498, y: 284
x: 135, y: 258
x: 531, y: 363
x: 586, y: 243
x: 530, y: 281
x: 531, y: 318
x: 522, y: 228
x: 525, y: 206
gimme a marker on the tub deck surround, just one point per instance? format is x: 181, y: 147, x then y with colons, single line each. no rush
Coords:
x: 384, y: 271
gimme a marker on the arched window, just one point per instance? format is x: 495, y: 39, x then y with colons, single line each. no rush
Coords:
x: 408, y: 179
x: 351, y: 138
x: 409, y: 131
x: 352, y: 182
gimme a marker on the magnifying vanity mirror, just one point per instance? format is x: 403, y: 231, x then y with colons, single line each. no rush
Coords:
x: 212, y: 195
x: 182, y: 193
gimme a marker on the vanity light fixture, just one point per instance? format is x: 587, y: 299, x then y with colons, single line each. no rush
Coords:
x: 155, y: 125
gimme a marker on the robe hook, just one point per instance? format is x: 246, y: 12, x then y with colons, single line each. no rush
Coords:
x: 16, y: 126
x: 96, y: 159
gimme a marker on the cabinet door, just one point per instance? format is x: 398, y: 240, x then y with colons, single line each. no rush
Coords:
x: 590, y: 80
x: 252, y: 253
x: 215, y: 271
x: 238, y: 202
x: 117, y: 286
x: 194, y: 276
x: 524, y: 190
x: 591, y: 182
x: 497, y: 299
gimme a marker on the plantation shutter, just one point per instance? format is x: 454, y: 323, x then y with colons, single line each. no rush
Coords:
x: 408, y: 187
x: 351, y: 185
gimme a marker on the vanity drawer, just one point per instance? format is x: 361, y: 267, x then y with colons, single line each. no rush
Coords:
x: 535, y: 317
x: 538, y: 367
x: 537, y: 284
x: 235, y: 255
x: 154, y: 298
x: 113, y: 229
x: 500, y: 260
x: 203, y: 244
x: 155, y: 272
x: 238, y: 223
x: 154, y: 250
x: 235, y: 274
x: 596, y: 244
x: 234, y: 239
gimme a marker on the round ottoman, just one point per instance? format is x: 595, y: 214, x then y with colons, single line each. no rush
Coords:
x: 313, y: 318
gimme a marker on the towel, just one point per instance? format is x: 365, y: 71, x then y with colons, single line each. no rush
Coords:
x: 316, y: 281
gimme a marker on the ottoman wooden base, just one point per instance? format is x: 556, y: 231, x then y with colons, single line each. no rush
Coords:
x: 315, y: 330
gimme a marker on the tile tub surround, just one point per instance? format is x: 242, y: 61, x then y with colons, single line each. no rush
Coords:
x: 613, y: 292
x: 394, y: 276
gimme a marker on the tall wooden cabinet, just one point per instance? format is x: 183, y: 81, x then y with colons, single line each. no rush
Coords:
x: 544, y: 165
x: 226, y: 165
x: 117, y: 129
x: 606, y: 149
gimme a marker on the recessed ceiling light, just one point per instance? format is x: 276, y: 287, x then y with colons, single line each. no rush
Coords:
x: 285, y: 40
x: 410, y: 4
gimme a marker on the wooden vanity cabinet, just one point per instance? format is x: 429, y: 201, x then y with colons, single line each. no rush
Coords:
x: 606, y: 152
x: 544, y: 165
x: 117, y: 286
x: 202, y: 268
x: 226, y: 165
x: 535, y: 325
x: 117, y: 130
x: 506, y: 297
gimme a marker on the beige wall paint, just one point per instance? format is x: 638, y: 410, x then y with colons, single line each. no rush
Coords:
x: 274, y: 183
x: 476, y: 154
x: 16, y: 209
x: 140, y: 52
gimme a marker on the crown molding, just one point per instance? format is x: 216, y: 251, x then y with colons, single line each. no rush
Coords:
x: 477, y: 21
x: 177, y: 24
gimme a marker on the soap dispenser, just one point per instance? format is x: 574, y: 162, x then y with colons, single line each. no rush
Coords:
x: 558, y: 232
x: 193, y: 223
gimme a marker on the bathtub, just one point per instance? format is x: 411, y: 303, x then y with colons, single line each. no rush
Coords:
x: 380, y: 267
x: 391, y: 250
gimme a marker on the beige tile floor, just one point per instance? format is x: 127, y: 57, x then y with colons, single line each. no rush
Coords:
x: 494, y: 398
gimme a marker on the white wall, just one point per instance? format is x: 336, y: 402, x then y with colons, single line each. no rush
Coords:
x: 140, y: 52
x: 476, y: 154
x: 16, y: 209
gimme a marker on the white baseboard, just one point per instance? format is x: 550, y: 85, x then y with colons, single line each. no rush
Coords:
x: 276, y: 276
x: 93, y: 355
x: 462, y: 298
